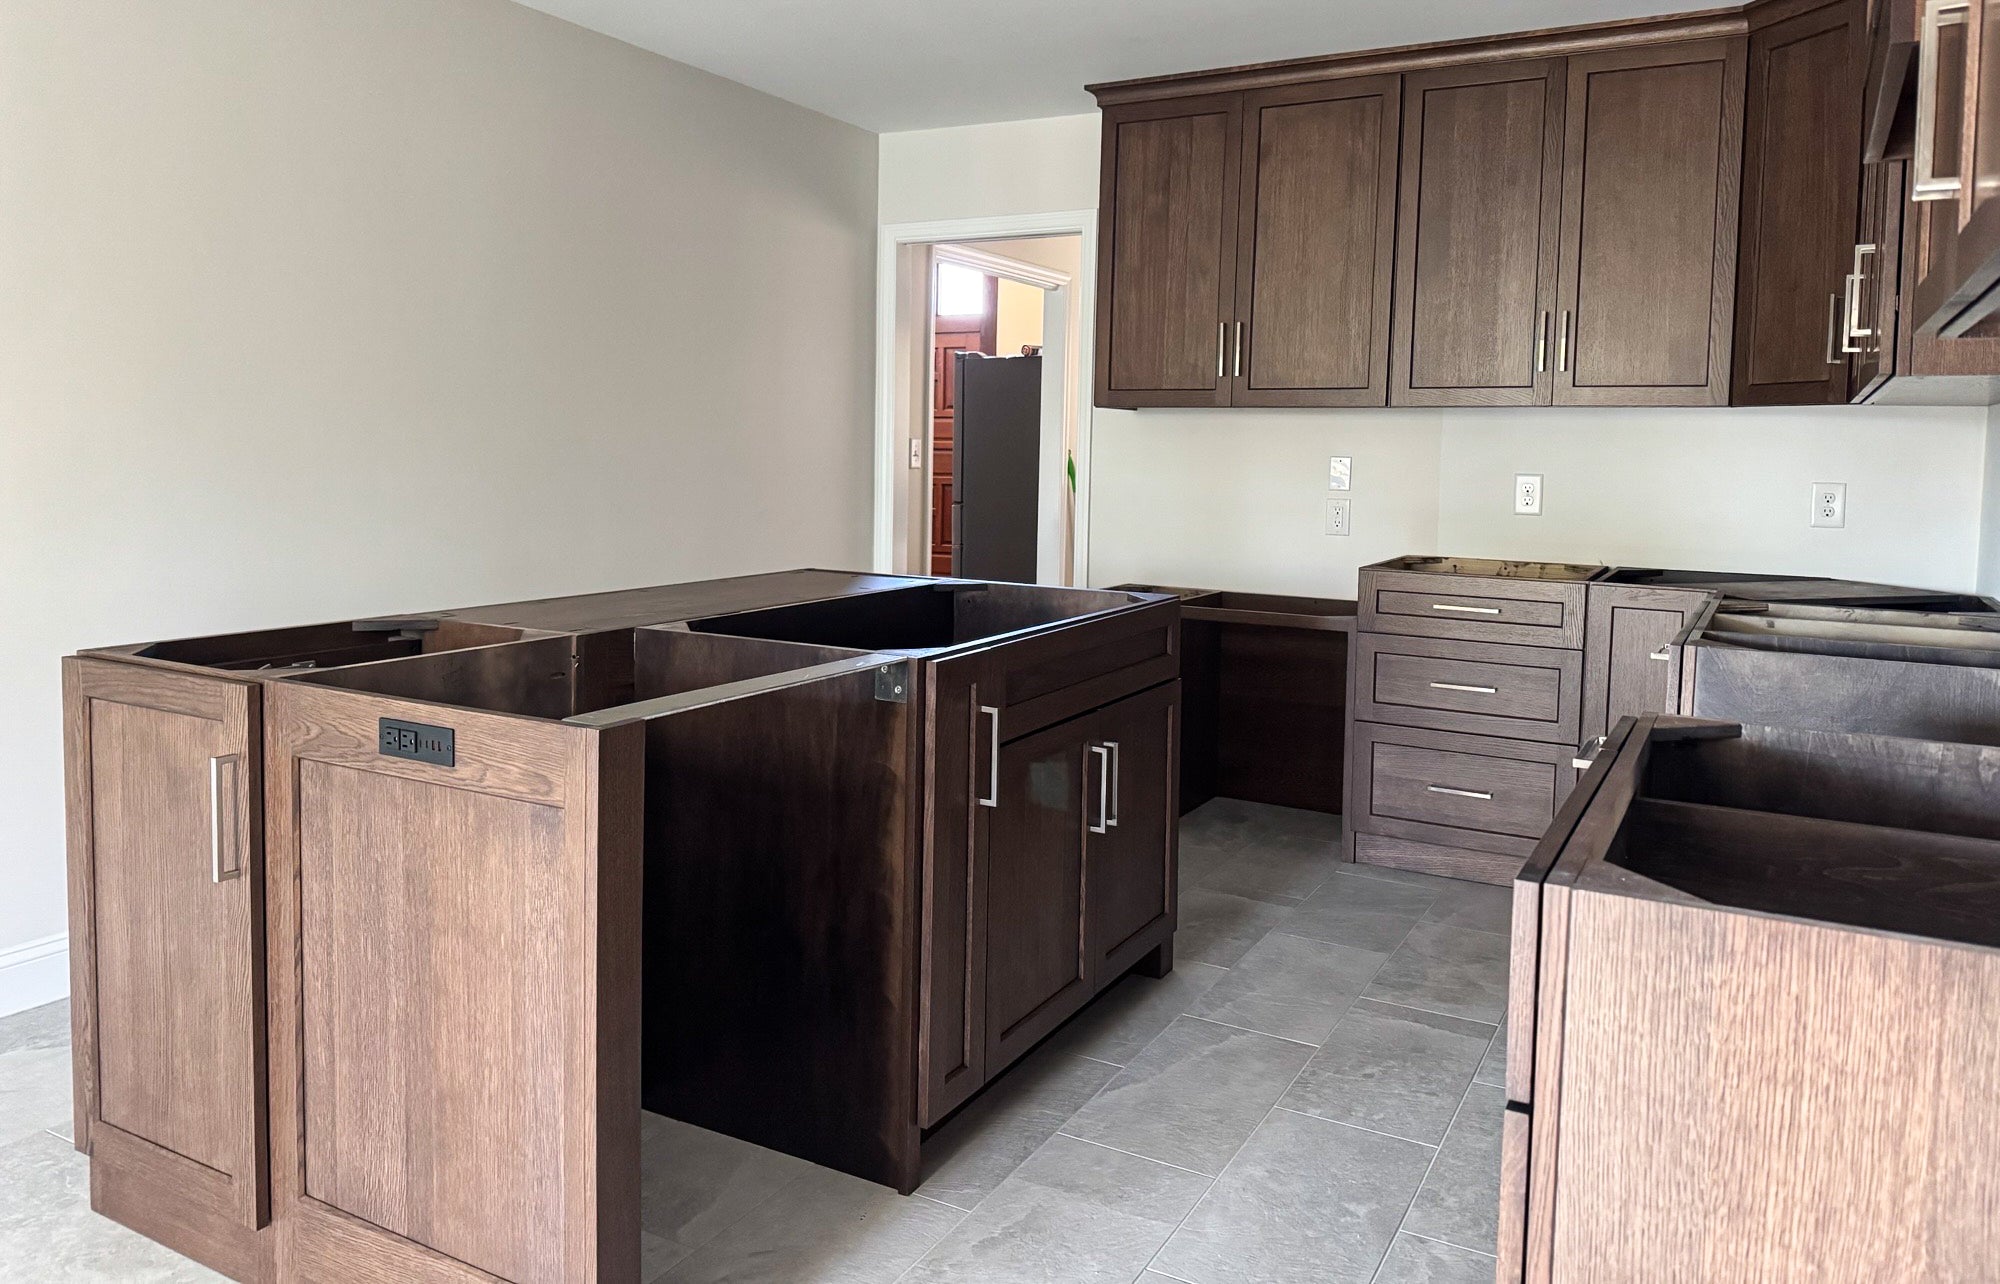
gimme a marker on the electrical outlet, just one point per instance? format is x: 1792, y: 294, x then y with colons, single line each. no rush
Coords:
x: 1339, y: 517
x: 1340, y: 474
x: 1829, y: 504
x: 1528, y: 494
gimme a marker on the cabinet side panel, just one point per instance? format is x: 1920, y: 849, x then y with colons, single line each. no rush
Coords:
x: 1757, y: 1098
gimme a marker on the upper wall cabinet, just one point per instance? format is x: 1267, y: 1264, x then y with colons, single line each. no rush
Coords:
x: 1802, y: 166
x: 1476, y: 260
x: 1245, y: 248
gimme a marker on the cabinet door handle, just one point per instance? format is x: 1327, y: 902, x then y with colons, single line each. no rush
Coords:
x: 1117, y: 772
x: 1586, y: 755
x: 1460, y: 686
x: 1925, y: 184
x: 1479, y: 794
x: 1236, y: 361
x: 1221, y: 351
x: 1542, y: 344
x: 1855, y: 330
x: 992, y: 798
x: 222, y: 819
x: 1664, y: 653
x: 1103, y: 825
x: 1467, y: 610
x: 1833, y: 330
x: 1562, y: 341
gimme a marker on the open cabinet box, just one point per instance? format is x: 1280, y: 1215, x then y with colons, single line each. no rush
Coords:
x: 1753, y: 984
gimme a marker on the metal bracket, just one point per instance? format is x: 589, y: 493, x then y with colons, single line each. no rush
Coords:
x: 892, y: 683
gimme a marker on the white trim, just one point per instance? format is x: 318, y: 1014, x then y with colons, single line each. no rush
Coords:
x: 889, y: 448
x: 1000, y: 265
x: 34, y: 973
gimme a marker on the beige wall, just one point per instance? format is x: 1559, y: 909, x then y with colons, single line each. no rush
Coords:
x: 1017, y: 318
x: 1989, y: 528
x: 1237, y: 499
x: 311, y: 308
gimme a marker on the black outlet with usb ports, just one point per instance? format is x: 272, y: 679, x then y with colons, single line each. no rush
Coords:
x: 418, y: 742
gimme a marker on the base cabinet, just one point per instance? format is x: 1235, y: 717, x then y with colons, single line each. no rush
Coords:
x: 167, y: 976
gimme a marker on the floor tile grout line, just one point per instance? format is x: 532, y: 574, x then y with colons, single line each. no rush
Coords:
x: 1432, y: 1239
x: 1248, y: 1030
x: 1224, y: 1168
x: 1133, y: 1154
x: 1457, y: 1110
x: 1343, y: 1123
x: 1411, y: 1007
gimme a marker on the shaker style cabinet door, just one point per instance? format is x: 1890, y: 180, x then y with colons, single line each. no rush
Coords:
x: 1167, y: 253
x: 1652, y: 155
x: 1316, y: 253
x: 1631, y: 665
x: 1129, y: 884
x: 166, y: 920
x: 1477, y: 240
x: 1801, y: 171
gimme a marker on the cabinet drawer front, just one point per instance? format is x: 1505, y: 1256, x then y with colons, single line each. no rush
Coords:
x: 1462, y: 790
x: 1534, y: 613
x: 1532, y: 693
x: 1038, y: 681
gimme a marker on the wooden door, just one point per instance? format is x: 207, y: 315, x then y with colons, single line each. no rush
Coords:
x: 1132, y: 843
x: 458, y: 1066
x: 1316, y: 243
x: 1477, y: 237
x: 166, y: 919
x: 1630, y: 663
x: 1029, y: 849
x: 949, y: 337
x: 1653, y: 152
x: 1801, y: 172
x: 1167, y: 252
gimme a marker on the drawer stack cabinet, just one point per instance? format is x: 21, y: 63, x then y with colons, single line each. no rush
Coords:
x: 1467, y: 708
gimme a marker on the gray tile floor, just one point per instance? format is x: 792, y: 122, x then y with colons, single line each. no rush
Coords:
x: 1312, y: 1095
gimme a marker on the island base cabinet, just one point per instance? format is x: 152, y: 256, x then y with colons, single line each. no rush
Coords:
x: 460, y: 989
x: 166, y: 924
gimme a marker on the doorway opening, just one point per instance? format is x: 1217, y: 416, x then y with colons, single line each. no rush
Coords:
x: 979, y: 417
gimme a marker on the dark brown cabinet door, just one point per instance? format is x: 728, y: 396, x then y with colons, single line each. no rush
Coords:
x: 1801, y: 170
x: 1167, y: 252
x: 1476, y: 253
x: 166, y: 905
x: 1129, y: 883
x: 1029, y: 853
x: 1316, y: 244
x: 964, y: 720
x: 1652, y: 152
x: 1879, y: 253
x: 1631, y: 665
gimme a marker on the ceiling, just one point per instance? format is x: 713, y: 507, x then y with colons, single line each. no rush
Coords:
x: 916, y: 64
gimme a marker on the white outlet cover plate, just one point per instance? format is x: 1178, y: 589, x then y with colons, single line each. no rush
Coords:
x: 1340, y: 473
x: 1829, y: 504
x: 1528, y: 494
x: 1340, y: 517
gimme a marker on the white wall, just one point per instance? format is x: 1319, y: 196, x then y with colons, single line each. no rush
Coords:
x: 1989, y: 527
x: 314, y: 308
x: 1236, y: 499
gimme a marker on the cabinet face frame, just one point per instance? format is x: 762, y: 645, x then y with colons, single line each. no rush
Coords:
x: 1544, y: 237
x: 211, y: 1207
x: 1113, y: 289
x: 1381, y: 202
x: 1716, y: 269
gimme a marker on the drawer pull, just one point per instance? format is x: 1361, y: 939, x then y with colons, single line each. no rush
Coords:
x: 1104, y: 821
x: 1664, y: 653
x: 1481, y: 795
x: 992, y: 798
x: 1466, y: 610
x: 1460, y: 686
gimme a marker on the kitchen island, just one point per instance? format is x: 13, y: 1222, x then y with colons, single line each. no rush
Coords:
x: 384, y: 929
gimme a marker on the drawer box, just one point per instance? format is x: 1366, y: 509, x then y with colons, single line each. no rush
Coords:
x: 1449, y: 788
x: 1473, y: 608
x: 1525, y: 693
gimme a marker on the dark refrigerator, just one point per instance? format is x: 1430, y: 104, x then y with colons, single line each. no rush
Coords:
x: 996, y: 467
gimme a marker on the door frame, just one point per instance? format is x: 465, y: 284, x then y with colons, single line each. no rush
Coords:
x: 893, y: 407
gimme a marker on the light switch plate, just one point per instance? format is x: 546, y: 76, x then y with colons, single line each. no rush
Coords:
x: 1340, y: 473
x: 1528, y: 494
x: 1829, y: 504
x: 916, y: 453
x: 1340, y: 517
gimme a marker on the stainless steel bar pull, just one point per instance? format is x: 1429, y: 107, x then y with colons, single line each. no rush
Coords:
x: 1542, y: 344
x: 222, y: 829
x: 1833, y: 330
x: 1236, y: 361
x: 1465, y: 610
x: 1664, y: 653
x: 1221, y: 350
x: 1117, y: 770
x: 1562, y: 341
x: 1481, y: 795
x: 1855, y: 280
x: 1460, y: 686
x: 1925, y: 183
x: 1103, y: 825
x: 992, y: 798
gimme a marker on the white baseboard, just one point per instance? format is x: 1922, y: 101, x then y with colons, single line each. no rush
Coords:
x: 34, y: 973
